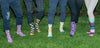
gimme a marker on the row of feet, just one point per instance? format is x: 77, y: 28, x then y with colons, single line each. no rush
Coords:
x: 91, y: 33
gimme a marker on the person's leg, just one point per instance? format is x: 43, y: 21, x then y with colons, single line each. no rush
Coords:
x: 90, y: 9
x: 0, y: 2
x: 62, y: 6
x: 16, y: 6
x: 40, y: 9
x: 51, y: 14
x: 79, y: 5
x: 74, y: 11
x: 6, y: 19
x: 30, y: 16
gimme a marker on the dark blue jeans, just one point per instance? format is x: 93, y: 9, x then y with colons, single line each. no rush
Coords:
x: 52, y: 10
x: 30, y: 9
x: 0, y: 2
x: 75, y: 6
x: 16, y: 6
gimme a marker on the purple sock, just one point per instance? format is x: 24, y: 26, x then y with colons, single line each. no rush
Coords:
x: 92, y: 25
x: 73, y: 28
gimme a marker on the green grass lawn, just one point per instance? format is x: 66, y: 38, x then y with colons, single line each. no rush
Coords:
x: 59, y: 40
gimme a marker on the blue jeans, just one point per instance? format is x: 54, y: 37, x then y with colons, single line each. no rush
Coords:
x: 16, y: 6
x: 30, y: 9
x: 52, y: 10
x: 75, y: 6
x: 0, y: 2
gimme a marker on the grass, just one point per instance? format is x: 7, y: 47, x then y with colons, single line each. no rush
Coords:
x: 59, y: 40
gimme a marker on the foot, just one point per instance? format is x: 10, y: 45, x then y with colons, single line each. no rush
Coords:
x: 88, y: 32
x: 9, y: 39
x: 92, y: 32
x: 73, y: 28
x: 49, y: 34
x: 21, y: 34
x: 72, y: 33
x: 32, y: 29
x: 61, y: 30
x: 31, y: 33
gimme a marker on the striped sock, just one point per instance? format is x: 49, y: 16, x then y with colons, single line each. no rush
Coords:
x: 49, y: 30
x: 61, y: 27
x: 92, y: 27
x: 37, y: 25
x: 32, y: 28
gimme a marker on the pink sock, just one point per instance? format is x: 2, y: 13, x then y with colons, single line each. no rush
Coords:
x: 8, y: 36
x: 7, y: 32
x: 18, y: 28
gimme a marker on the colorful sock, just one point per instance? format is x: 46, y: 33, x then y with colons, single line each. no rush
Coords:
x: 61, y: 27
x: 32, y: 28
x: 37, y: 26
x: 49, y: 30
x: 8, y: 36
x: 92, y: 30
x: 73, y: 28
x: 19, y: 30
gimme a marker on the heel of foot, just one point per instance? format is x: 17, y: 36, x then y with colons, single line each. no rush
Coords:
x: 63, y: 32
x: 38, y: 31
x: 31, y: 34
x: 49, y: 36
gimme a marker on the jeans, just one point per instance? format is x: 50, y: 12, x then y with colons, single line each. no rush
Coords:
x: 0, y: 2
x: 75, y: 6
x: 16, y: 6
x: 52, y: 10
x: 30, y: 9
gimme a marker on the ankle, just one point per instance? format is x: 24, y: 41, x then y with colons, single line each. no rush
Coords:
x: 18, y: 28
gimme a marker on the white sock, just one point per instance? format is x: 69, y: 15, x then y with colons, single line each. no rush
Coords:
x: 61, y: 26
x: 49, y: 29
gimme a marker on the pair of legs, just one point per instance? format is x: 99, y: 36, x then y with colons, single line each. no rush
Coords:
x: 16, y: 6
x: 75, y: 6
x: 52, y: 10
x: 30, y: 12
x: 91, y: 4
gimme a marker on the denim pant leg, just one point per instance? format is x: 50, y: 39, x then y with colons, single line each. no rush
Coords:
x: 16, y: 6
x: 79, y: 5
x: 40, y: 8
x: 63, y: 7
x: 52, y: 10
x: 0, y: 2
x: 5, y: 14
x: 29, y: 7
x: 74, y: 11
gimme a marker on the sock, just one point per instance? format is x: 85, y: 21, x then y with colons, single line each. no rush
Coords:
x: 92, y: 27
x: 49, y: 30
x: 73, y: 28
x: 19, y: 30
x: 37, y: 25
x: 32, y: 28
x: 61, y: 27
x: 8, y: 36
